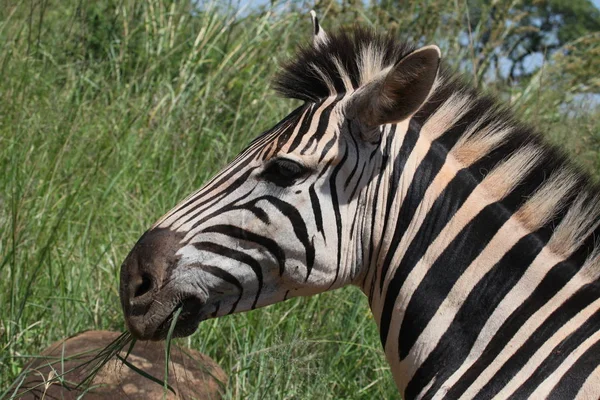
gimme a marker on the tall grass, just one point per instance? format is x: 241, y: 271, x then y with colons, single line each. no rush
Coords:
x: 97, y: 140
x: 112, y: 112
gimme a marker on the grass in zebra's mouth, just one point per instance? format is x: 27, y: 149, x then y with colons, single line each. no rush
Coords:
x: 185, y: 316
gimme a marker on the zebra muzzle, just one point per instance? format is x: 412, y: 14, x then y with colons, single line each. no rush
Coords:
x: 147, y: 299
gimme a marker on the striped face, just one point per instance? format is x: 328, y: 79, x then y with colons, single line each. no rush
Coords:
x: 290, y: 215
x: 266, y: 228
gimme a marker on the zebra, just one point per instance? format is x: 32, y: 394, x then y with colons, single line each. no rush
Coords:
x: 472, y: 238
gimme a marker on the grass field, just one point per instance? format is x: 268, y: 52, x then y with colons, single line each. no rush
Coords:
x: 105, y: 125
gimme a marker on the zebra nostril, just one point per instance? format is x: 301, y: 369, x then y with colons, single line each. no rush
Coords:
x: 144, y: 286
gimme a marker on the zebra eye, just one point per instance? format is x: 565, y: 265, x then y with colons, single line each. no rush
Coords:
x: 283, y: 172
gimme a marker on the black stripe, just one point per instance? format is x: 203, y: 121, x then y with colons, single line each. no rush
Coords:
x: 316, y: 207
x: 555, y: 280
x: 199, y: 195
x: 354, y: 222
x: 304, y: 127
x: 425, y: 172
x: 239, y: 233
x: 571, y: 382
x: 223, y: 275
x: 561, y: 316
x: 442, y: 211
x: 364, y: 249
x: 290, y: 122
x: 237, y: 256
x: 324, y: 119
x: 316, y: 26
x: 456, y: 343
x: 268, y: 148
x: 446, y: 270
x: 321, y: 126
x: 214, y: 196
x: 310, y: 142
x: 558, y: 355
x: 372, y: 244
x: 227, y: 277
x: 356, y: 158
x: 260, y: 214
x: 199, y: 208
x: 336, y: 212
x: 358, y: 185
x: 328, y: 147
x: 290, y: 119
x: 297, y: 222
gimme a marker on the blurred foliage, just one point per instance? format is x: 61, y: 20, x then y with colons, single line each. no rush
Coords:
x: 504, y: 40
x: 577, y: 62
x: 531, y: 26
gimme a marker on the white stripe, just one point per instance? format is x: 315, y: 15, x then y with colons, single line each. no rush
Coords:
x: 589, y: 389
x: 510, y: 233
x: 531, y: 279
x: 547, y: 348
x: 550, y: 382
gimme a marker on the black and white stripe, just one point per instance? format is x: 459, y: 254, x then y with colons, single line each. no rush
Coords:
x: 472, y: 238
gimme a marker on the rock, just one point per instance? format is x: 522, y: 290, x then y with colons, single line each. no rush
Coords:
x: 191, y: 374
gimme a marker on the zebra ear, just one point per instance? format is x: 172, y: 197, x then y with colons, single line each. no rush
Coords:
x: 319, y: 35
x: 399, y: 93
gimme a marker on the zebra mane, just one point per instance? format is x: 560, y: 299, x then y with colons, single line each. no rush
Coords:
x: 354, y: 56
x: 550, y: 194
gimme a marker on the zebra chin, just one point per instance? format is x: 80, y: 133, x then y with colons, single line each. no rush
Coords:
x: 157, y: 321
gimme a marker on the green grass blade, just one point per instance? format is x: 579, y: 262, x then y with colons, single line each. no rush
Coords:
x: 168, y: 345
x: 146, y: 375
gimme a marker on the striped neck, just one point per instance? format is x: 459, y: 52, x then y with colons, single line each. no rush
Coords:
x: 469, y: 257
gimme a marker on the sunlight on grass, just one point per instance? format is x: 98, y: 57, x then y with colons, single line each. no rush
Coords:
x: 97, y: 142
x: 109, y: 117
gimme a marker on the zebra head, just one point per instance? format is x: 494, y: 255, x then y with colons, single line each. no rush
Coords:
x: 292, y: 215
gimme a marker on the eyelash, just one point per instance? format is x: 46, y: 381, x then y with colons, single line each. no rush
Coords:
x: 283, y: 172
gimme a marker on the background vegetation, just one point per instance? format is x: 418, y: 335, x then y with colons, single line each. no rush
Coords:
x: 111, y: 111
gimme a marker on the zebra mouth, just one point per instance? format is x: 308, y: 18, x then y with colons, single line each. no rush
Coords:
x: 187, y: 321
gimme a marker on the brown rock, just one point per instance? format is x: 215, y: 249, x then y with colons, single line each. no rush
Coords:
x: 191, y: 374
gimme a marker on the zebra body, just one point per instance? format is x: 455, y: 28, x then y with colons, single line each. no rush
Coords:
x: 472, y: 239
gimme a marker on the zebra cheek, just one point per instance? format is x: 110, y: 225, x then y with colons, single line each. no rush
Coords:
x: 293, y: 276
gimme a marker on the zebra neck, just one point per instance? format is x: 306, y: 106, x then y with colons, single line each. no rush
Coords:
x: 459, y: 272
